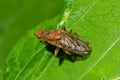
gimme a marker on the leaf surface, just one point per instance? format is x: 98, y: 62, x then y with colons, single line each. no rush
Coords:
x: 95, y: 20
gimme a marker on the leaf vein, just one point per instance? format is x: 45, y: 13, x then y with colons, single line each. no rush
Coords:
x: 17, y: 76
x: 109, y: 48
x: 45, y: 68
x: 84, y: 13
x: 34, y: 67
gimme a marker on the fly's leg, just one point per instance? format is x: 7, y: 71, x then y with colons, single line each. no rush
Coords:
x: 76, y: 35
x: 56, y: 51
x: 63, y: 28
x: 70, y: 31
x: 67, y: 52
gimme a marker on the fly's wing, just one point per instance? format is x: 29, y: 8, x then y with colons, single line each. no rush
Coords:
x: 73, y: 44
x: 85, y: 50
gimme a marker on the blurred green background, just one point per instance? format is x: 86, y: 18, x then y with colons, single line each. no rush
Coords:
x: 19, y: 16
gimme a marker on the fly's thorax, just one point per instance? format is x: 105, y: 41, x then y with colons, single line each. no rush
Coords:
x: 52, y: 35
x: 49, y: 34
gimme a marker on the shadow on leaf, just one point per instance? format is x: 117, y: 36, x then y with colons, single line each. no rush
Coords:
x: 63, y: 56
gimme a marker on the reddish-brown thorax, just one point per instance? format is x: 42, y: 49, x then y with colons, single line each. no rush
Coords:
x: 49, y: 34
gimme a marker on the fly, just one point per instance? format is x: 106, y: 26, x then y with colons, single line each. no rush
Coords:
x: 70, y: 42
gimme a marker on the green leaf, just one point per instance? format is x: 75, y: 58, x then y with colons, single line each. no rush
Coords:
x: 19, y: 16
x: 95, y: 20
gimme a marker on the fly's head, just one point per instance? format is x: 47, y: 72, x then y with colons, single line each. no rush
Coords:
x: 40, y: 34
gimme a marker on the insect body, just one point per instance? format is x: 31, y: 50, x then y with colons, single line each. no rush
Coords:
x: 70, y: 42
